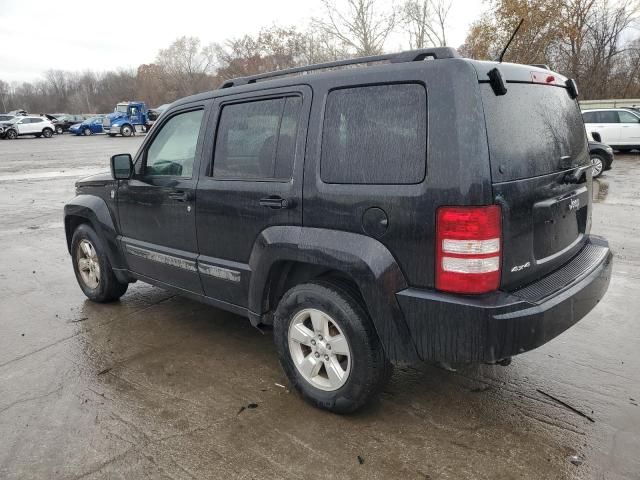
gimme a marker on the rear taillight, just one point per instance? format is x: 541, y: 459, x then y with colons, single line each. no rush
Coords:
x: 468, y: 244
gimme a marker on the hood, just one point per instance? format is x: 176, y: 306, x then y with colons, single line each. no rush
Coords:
x: 75, y: 126
x: 95, y: 180
x: 116, y: 115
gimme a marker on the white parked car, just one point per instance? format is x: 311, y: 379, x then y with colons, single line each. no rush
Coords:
x: 28, y: 125
x: 617, y: 127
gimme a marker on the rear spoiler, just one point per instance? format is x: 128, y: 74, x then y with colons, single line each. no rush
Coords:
x: 499, y: 84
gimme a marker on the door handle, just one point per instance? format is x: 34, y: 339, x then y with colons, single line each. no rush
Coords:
x: 275, y: 202
x: 180, y: 196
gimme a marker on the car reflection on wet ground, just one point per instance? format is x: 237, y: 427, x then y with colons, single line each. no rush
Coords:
x: 158, y: 386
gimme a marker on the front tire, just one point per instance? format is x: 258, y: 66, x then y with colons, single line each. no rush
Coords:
x: 598, y: 165
x: 11, y: 135
x: 86, y: 132
x: 47, y: 133
x: 59, y: 130
x: 92, y: 268
x: 126, y: 131
x: 328, y: 347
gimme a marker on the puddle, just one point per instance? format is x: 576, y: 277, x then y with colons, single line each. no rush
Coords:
x: 11, y: 177
x: 600, y: 190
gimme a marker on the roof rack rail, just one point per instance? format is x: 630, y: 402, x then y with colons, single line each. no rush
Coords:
x: 541, y: 65
x: 436, y: 53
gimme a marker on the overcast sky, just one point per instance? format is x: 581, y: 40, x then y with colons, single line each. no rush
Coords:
x: 37, y: 35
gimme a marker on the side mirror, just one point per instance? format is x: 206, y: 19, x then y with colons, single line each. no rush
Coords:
x: 121, y: 166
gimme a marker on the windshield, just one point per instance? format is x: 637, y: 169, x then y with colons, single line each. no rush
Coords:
x: 122, y: 108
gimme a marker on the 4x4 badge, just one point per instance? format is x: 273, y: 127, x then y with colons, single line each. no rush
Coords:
x: 574, y: 204
x: 518, y: 268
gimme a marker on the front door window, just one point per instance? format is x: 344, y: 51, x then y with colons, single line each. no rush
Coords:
x: 173, y: 150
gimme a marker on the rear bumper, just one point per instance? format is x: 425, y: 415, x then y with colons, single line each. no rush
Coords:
x: 491, y: 327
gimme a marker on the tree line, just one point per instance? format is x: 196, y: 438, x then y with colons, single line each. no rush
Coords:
x: 593, y: 41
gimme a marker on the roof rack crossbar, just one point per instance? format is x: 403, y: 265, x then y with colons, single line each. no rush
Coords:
x: 402, y: 57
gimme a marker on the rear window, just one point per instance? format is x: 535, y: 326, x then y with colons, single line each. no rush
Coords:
x: 533, y: 130
x: 375, y: 135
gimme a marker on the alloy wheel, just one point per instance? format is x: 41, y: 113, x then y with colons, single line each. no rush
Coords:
x: 319, y: 349
x: 88, y: 264
x: 597, y: 166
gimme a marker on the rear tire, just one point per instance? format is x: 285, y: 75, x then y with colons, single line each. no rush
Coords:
x: 47, y: 133
x: 92, y: 268
x: 315, y: 321
x: 598, y: 165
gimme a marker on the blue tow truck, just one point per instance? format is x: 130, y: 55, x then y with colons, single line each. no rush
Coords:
x: 127, y: 119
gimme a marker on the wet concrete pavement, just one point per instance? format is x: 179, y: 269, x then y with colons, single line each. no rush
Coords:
x: 153, y: 386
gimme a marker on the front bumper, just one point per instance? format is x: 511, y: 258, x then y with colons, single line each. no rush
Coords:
x: 488, y: 328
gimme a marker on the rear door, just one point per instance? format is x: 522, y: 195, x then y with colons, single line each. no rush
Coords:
x: 25, y: 126
x: 251, y: 180
x: 537, y: 143
x: 629, y: 128
x: 604, y: 122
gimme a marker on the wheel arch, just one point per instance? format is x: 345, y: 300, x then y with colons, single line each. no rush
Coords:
x: 286, y: 256
x: 93, y: 210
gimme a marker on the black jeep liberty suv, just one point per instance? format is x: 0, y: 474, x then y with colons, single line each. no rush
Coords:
x: 412, y: 207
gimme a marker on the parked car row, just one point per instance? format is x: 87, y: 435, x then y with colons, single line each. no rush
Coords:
x: 125, y: 120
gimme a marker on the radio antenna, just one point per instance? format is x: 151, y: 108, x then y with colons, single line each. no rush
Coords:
x: 513, y: 35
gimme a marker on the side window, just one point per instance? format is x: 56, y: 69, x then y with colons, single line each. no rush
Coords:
x: 590, y: 117
x: 375, y: 135
x: 626, y: 117
x: 173, y: 149
x: 607, y: 116
x: 36, y: 120
x: 256, y: 140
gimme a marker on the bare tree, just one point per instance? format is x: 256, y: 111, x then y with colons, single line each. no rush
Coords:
x: 4, y: 94
x: 361, y: 25
x: 425, y: 21
x: 187, y: 65
x: 274, y: 48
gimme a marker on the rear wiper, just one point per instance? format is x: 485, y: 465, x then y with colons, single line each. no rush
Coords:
x: 576, y: 175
